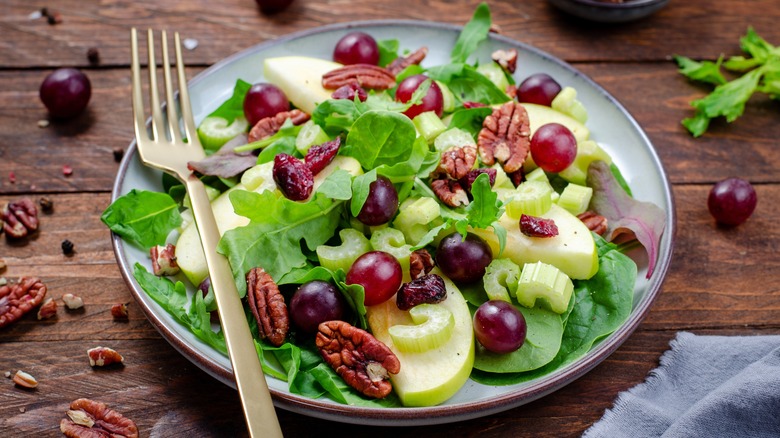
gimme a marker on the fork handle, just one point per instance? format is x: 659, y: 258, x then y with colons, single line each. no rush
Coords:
x: 250, y: 381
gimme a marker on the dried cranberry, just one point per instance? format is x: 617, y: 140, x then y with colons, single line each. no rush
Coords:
x: 470, y: 104
x: 533, y: 226
x: 428, y: 289
x: 470, y: 177
x: 318, y: 157
x: 349, y: 91
x: 517, y: 177
x: 293, y: 177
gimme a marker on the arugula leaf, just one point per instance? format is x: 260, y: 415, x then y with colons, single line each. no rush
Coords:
x: 705, y: 71
x: 473, y: 33
x: 277, y: 227
x: 142, y: 217
x: 485, y: 208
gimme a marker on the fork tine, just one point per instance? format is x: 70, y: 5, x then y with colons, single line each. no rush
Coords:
x: 154, y: 97
x: 173, y: 119
x: 184, y: 96
x: 138, y: 101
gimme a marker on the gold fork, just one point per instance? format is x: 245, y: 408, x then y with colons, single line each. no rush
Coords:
x: 166, y: 150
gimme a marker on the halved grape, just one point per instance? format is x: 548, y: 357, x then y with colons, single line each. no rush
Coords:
x: 732, y: 201
x: 356, y: 48
x: 499, y: 327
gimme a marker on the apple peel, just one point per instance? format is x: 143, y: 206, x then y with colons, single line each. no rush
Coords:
x: 627, y: 218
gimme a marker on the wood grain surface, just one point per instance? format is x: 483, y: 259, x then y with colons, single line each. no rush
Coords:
x: 722, y: 281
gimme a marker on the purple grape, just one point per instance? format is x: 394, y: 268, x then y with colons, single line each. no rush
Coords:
x: 732, y: 201
x: 553, y: 147
x: 65, y: 92
x: 432, y: 101
x: 316, y: 302
x: 381, y: 204
x: 539, y: 88
x: 380, y: 275
x: 463, y: 261
x: 264, y: 100
x: 356, y: 48
x: 499, y: 326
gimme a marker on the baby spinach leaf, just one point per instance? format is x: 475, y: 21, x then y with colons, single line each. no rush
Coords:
x: 473, y: 33
x: 337, y: 185
x: 142, y: 217
x: 388, y: 51
x: 380, y: 138
x: 336, y: 116
x: 470, y: 119
x: 233, y: 108
x: 341, y: 392
x: 361, y: 186
x: 275, y: 232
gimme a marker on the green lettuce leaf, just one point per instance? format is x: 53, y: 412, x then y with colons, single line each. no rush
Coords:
x: 142, y: 217
x: 473, y: 33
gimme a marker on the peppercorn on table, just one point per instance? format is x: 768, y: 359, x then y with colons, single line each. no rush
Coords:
x: 722, y: 280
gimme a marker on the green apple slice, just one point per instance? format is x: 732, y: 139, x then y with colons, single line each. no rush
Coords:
x: 431, y: 377
x: 432, y: 327
x: 539, y: 115
x: 573, y: 250
x: 300, y: 78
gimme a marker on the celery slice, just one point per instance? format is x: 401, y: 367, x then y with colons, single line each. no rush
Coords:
x: 533, y: 198
x: 214, y: 132
x: 453, y: 137
x: 429, y: 125
x: 500, y: 279
x: 433, y: 328
x: 575, y: 198
x: 540, y: 280
x: 311, y: 134
x: 567, y: 103
x: 353, y: 245
x: 537, y: 175
x: 416, y: 216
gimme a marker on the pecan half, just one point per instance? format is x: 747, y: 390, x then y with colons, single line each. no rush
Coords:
x: 20, y: 217
x: 88, y: 418
x: 370, y: 77
x: 415, y: 58
x: 19, y: 298
x: 595, y: 222
x: 457, y: 161
x: 119, y: 311
x: 507, y: 59
x: 103, y: 356
x: 505, y: 137
x: 268, y: 306
x: 450, y: 192
x: 364, y: 362
x: 420, y: 263
x: 164, y: 260
x: 270, y: 125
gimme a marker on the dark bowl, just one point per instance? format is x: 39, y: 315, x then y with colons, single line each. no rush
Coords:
x: 607, y: 12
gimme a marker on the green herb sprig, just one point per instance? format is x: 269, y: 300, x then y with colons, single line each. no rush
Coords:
x: 761, y: 74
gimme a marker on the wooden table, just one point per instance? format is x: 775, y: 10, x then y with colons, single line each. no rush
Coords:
x: 722, y: 281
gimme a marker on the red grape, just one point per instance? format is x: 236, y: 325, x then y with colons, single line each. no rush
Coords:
x: 315, y: 302
x: 433, y: 100
x: 381, y: 204
x: 65, y: 92
x: 732, y: 201
x: 553, y: 147
x: 499, y: 326
x: 273, y: 6
x: 540, y: 89
x: 462, y: 260
x: 380, y: 275
x: 356, y: 48
x: 264, y: 100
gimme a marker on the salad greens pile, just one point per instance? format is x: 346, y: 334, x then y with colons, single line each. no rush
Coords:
x: 282, y: 235
x: 761, y: 74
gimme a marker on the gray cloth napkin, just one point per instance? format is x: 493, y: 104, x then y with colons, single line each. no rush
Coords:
x: 706, y: 386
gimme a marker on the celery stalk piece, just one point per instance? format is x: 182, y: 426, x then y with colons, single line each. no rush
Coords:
x: 433, y: 326
x: 575, y: 198
x: 416, y: 216
x: 214, y: 132
x: 311, y: 134
x: 500, y: 280
x: 546, y: 282
x: 353, y: 245
x: 567, y: 103
x: 429, y: 125
x: 533, y: 198
x: 537, y: 175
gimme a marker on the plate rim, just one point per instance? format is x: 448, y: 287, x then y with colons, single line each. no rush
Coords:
x: 408, y: 416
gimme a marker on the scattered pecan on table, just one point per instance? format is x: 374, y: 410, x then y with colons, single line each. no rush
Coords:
x: 270, y: 125
x: 88, y: 418
x: 364, y: 362
x: 370, y: 77
x: 505, y: 137
x: 19, y: 298
x: 268, y: 307
x: 103, y: 356
x: 20, y: 217
x: 415, y: 58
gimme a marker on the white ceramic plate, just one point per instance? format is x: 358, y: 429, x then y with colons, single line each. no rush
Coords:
x: 610, y: 125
